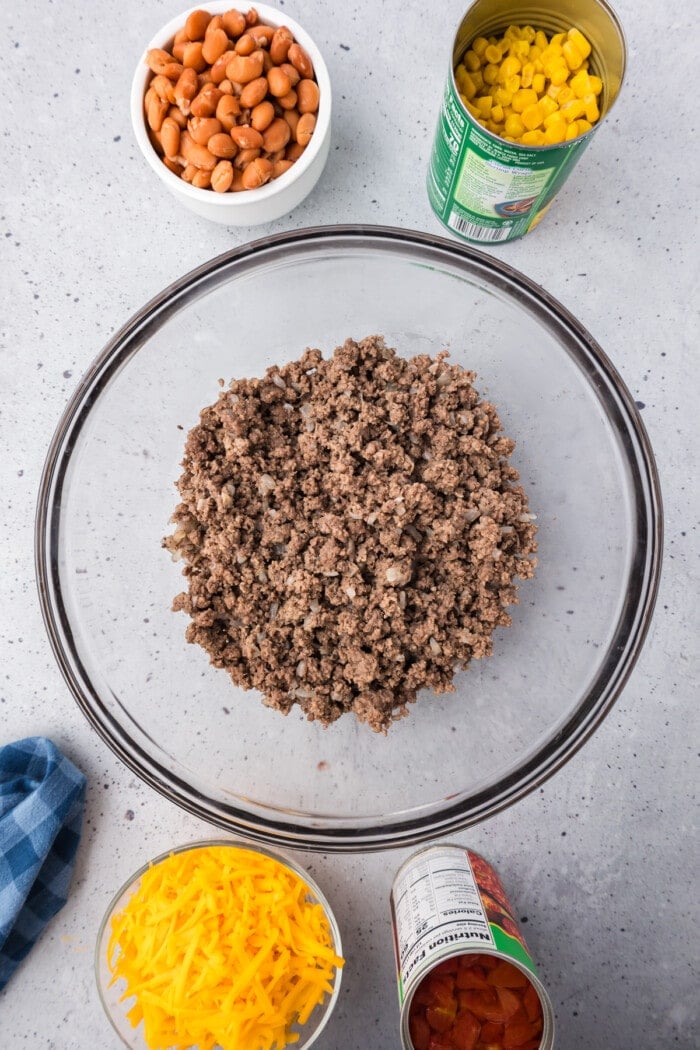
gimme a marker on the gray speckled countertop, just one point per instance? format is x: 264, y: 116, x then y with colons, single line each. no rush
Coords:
x: 601, y: 860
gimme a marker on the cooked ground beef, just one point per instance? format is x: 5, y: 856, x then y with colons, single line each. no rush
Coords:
x: 351, y: 531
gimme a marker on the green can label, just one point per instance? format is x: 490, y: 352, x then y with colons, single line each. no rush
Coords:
x: 486, y: 189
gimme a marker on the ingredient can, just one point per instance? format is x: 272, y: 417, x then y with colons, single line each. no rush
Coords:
x: 447, y: 902
x: 483, y: 187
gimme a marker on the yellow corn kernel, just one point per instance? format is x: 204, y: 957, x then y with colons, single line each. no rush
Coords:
x: 479, y: 46
x: 490, y: 73
x: 548, y: 105
x: 514, y: 126
x: 497, y: 114
x: 552, y: 53
x: 528, y: 33
x: 596, y: 84
x: 576, y: 37
x: 558, y: 74
x: 532, y: 138
x: 584, y: 126
x: 512, y: 33
x: 591, y: 111
x: 580, y: 84
x: 554, y: 90
x: 555, y: 120
x: 520, y: 48
x: 572, y: 110
x: 478, y: 78
x: 527, y: 74
x: 484, y: 104
x: 558, y: 39
x: 492, y: 54
x: 502, y: 96
x: 532, y: 116
x: 573, y: 56
x: 464, y: 99
x: 465, y: 82
x: 565, y: 95
x: 510, y: 66
x: 534, y: 53
x: 541, y: 39
x: 472, y: 62
x: 572, y: 131
x: 473, y: 110
x: 556, y: 134
x: 524, y: 97
x: 538, y: 82
x: 513, y: 84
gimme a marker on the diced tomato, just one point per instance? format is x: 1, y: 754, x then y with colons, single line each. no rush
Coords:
x: 499, y: 1008
x: 473, y: 959
x: 423, y: 996
x: 522, y: 1032
x: 509, y: 1002
x: 491, y: 1032
x: 440, y: 1042
x: 489, y: 962
x: 440, y: 1018
x: 465, y: 1031
x: 508, y: 976
x: 479, y: 1002
x: 531, y: 1002
x: 473, y: 977
x: 519, y: 1016
x: 448, y: 967
x: 419, y: 1030
x: 488, y: 1046
x: 441, y: 990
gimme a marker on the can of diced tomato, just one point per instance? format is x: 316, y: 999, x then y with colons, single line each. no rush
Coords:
x: 465, y: 974
x: 483, y: 187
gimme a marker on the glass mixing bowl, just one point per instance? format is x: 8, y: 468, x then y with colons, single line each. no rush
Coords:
x: 107, y: 494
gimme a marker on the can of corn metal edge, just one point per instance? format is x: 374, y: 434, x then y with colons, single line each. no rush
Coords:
x: 482, y: 187
x: 456, y: 938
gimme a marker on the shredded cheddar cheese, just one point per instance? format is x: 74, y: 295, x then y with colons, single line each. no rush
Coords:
x: 221, y: 946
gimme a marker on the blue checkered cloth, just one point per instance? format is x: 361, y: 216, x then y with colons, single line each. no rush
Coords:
x: 41, y: 813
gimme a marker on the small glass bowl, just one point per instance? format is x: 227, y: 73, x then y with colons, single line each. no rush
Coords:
x: 111, y: 992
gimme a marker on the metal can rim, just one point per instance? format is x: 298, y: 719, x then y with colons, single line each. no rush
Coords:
x: 548, y: 1023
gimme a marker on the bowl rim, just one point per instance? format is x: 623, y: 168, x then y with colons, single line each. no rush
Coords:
x: 320, y: 833
x: 270, y: 16
x: 282, y: 857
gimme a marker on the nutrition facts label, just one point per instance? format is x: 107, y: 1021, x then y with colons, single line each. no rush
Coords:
x: 437, y: 907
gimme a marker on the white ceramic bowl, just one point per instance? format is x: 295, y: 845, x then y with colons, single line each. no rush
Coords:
x: 274, y: 199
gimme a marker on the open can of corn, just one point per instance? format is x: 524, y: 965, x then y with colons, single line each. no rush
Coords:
x: 528, y: 86
x: 465, y: 975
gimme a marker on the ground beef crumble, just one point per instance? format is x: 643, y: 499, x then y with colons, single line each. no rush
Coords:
x: 351, y: 531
